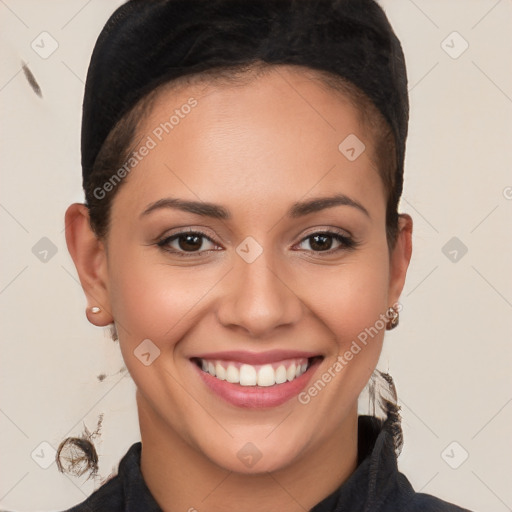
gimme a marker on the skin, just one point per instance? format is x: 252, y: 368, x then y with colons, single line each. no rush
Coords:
x: 263, y: 146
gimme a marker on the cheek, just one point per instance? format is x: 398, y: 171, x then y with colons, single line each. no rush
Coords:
x: 351, y: 297
x: 351, y: 302
x: 154, y: 301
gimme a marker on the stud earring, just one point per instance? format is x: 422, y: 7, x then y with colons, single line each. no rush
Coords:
x: 95, y: 309
x: 393, y: 316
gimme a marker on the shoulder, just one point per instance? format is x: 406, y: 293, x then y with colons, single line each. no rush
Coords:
x: 124, y: 492
x: 412, y: 501
x: 428, y: 503
x: 391, y: 490
x: 112, y: 494
x: 108, y: 498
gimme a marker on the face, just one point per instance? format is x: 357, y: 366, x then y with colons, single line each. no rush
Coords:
x: 258, y: 280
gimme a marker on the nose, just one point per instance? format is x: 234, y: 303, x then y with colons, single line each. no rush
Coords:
x: 258, y: 298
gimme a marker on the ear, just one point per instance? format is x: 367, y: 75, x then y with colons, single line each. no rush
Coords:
x: 400, y: 258
x: 90, y: 258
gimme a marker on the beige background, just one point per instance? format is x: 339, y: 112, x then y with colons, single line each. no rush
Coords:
x: 451, y: 355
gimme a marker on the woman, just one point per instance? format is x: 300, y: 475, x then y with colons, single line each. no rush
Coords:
x: 242, y: 164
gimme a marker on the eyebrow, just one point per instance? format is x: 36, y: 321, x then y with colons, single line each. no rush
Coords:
x: 298, y: 209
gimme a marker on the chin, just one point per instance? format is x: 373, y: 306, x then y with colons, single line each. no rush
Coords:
x: 251, y: 461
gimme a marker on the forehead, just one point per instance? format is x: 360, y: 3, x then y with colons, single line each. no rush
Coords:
x: 283, y: 129
x: 288, y: 92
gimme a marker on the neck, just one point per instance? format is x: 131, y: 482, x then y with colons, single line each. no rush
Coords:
x: 181, y: 478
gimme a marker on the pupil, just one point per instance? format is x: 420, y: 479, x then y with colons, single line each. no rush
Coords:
x: 194, y: 242
x: 322, y: 239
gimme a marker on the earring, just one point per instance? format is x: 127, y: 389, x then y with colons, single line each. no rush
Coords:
x: 393, y: 316
x: 95, y: 309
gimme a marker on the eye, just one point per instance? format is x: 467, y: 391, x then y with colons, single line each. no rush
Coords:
x: 196, y: 243
x: 191, y: 242
x: 322, y: 241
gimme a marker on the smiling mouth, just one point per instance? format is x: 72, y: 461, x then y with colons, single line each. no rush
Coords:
x: 260, y: 375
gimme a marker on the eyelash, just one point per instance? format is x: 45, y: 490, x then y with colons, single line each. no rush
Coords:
x: 347, y: 243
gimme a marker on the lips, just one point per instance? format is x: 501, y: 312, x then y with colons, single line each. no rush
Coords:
x: 248, y: 379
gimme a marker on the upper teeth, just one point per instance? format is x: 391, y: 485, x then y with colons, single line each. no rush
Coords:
x: 256, y: 375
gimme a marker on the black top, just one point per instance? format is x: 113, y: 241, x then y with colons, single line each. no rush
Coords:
x: 375, y: 486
